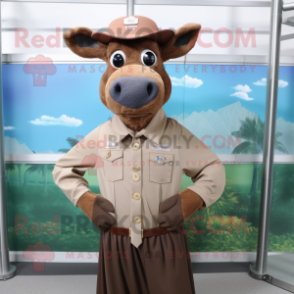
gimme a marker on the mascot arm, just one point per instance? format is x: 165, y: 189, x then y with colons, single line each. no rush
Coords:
x: 207, y: 174
x: 206, y: 171
x: 68, y: 173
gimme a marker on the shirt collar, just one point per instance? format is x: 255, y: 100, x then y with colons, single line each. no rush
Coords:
x: 153, y: 131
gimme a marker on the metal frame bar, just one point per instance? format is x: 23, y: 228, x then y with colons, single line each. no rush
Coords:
x: 196, y: 257
x: 230, y: 159
x: 199, y: 59
x: 288, y: 6
x: 287, y: 37
x: 260, y: 269
x: 6, y: 270
x: 228, y: 3
x: 289, y: 21
x: 122, y: 2
x: 130, y: 7
x: 270, y: 129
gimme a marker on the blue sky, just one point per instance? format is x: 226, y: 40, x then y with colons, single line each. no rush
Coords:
x: 76, y: 96
x: 218, y: 86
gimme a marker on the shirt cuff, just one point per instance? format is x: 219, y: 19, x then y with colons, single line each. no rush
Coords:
x: 79, y: 192
x: 200, y: 193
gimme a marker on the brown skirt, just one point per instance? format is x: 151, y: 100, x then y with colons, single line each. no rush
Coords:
x: 160, y: 265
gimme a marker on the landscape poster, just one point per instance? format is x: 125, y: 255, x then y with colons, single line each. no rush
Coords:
x: 48, y: 108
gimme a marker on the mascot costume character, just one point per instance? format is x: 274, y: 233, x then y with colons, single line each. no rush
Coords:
x: 139, y: 156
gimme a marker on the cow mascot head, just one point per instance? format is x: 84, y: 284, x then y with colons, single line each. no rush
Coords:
x: 135, y: 85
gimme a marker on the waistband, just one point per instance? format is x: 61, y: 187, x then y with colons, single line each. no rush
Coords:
x: 145, y: 232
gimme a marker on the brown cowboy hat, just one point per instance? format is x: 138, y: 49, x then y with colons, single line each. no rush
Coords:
x: 133, y: 27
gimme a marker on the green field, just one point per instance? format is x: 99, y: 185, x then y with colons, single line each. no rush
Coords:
x: 38, y: 211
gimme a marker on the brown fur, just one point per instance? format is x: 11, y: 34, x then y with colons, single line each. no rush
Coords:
x: 137, y: 119
x: 191, y: 202
x: 169, y: 51
x: 86, y: 203
x: 94, y: 52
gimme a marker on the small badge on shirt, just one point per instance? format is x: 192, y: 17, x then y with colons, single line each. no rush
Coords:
x: 160, y: 159
x: 108, y: 155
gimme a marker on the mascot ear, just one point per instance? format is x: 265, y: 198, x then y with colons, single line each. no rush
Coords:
x: 182, y: 42
x: 80, y: 42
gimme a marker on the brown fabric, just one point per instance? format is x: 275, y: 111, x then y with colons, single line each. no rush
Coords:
x: 86, y: 203
x: 93, y: 52
x: 169, y: 51
x: 154, y: 232
x: 146, y: 233
x: 135, y: 119
x: 160, y: 265
x: 119, y: 231
x: 191, y: 202
x: 101, y: 218
x: 170, y: 213
x: 145, y: 27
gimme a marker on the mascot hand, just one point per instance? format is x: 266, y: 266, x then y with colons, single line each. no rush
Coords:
x: 191, y: 202
x: 178, y: 208
x: 97, y: 209
x: 170, y: 213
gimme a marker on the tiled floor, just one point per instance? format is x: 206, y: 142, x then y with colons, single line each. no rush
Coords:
x: 220, y: 283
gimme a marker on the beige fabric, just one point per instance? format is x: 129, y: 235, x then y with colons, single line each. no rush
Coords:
x: 150, y: 162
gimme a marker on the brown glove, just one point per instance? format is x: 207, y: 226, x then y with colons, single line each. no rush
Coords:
x: 178, y: 208
x: 97, y: 209
x: 191, y: 202
x: 170, y: 213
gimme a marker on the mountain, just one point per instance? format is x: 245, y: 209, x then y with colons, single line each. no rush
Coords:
x: 287, y: 129
x: 12, y: 146
x: 233, y: 113
x: 219, y: 125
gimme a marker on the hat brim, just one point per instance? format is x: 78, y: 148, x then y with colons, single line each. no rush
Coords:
x: 161, y: 36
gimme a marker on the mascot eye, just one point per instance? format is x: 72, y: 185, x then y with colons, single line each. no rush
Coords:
x: 118, y: 59
x: 148, y: 57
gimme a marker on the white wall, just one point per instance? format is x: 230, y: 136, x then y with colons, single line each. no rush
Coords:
x: 43, y: 19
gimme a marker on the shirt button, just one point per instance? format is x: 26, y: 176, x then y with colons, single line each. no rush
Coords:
x: 137, y: 196
x: 137, y: 219
x: 136, y: 177
x: 136, y: 146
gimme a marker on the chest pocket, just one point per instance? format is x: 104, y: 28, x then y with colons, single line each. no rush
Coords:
x: 160, y: 167
x: 112, y: 164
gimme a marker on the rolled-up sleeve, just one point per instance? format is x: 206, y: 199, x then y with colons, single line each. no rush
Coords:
x: 69, y: 170
x: 203, y: 166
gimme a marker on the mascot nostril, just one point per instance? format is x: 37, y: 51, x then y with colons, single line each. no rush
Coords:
x: 117, y: 89
x: 134, y: 92
x: 149, y: 89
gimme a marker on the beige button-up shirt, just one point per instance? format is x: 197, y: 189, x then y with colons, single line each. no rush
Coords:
x: 138, y: 171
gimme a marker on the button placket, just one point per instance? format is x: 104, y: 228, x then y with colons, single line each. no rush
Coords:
x: 136, y: 146
x: 136, y: 184
x: 137, y: 196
